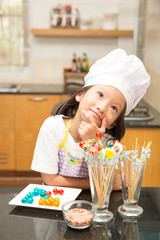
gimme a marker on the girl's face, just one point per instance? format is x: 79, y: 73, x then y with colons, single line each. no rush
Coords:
x: 101, y: 101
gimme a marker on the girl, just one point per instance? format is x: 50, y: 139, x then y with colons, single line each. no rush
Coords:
x: 113, y: 87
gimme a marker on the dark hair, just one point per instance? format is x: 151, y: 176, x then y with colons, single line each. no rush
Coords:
x: 68, y: 107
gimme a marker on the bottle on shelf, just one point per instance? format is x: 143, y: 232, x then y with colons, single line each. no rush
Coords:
x: 74, y: 63
x: 75, y: 18
x: 84, y: 64
x: 79, y: 64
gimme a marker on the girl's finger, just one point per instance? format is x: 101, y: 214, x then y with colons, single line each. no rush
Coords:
x: 102, y: 129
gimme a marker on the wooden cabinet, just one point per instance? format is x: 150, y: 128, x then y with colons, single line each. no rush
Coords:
x: 31, y: 111
x: 7, y: 137
x: 21, y: 117
x: 151, y: 174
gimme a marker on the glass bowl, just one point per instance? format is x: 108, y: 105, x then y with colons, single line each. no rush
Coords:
x: 78, y: 214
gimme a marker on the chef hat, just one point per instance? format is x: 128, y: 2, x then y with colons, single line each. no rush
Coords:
x: 122, y: 71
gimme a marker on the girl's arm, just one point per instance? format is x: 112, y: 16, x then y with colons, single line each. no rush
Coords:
x: 59, y: 180
x: 117, y: 184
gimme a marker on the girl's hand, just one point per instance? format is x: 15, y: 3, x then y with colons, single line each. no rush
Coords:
x: 88, y: 127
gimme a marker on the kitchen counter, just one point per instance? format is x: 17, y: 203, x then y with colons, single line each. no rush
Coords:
x: 59, y: 89
x: 41, y: 89
x: 34, y: 223
x: 154, y: 123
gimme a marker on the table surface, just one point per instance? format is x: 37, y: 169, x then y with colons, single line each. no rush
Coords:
x: 25, y: 223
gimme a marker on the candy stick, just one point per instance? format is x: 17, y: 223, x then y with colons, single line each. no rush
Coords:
x: 97, y: 186
x: 107, y: 181
x: 130, y: 179
x: 136, y: 182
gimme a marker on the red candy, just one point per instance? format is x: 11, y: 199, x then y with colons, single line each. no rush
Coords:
x: 61, y: 191
x: 115, y: 141
x: 48, y: 193
x: 98, y: 135
x: 55, y: 191
x: 81, y: 144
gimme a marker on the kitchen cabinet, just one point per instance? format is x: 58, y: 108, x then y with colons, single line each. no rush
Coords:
x: 21, y: 117
x: 31, y: 111
x: 7, y: 137
x: 151, y: 174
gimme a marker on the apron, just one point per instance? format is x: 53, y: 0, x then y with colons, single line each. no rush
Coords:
x: 69, y: 165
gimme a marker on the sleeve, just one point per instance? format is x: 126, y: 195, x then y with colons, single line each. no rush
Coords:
x: 45, y: 157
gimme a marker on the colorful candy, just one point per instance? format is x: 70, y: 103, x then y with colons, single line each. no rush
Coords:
x: 55, y: 191
x: 109, y: 153
x: 36, y: 191
x: 45, y: 197
x: 78, y: 217
x: 30, y: 194
x: 41, y: 201
x: 94, y: 154
x: 98, y: 135
x: 61, y: 191
x: 42, y: 193
x: 27, y: 199
x: 48, y: 193
x: 91, y: 147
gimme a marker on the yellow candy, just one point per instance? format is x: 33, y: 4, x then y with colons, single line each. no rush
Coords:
x: 109, y: 153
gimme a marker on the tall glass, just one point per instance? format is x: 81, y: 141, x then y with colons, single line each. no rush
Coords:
x: 132, y: 168
x: 101, y: 180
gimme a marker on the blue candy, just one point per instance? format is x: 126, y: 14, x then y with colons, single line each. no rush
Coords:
x: 30, y: 200
x: 24, y: 200
x: 46, y: 197
x: 30, y: 194
x: 43, y: 193
x: 36, y: 191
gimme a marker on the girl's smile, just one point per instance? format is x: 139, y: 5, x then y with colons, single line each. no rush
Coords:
x: 95, y: 114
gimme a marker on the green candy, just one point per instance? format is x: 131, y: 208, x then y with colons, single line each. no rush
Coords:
x: 102, y: 154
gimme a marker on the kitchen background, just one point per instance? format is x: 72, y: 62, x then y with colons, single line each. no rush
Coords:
x: 48, y: 56
x: 45, y: 58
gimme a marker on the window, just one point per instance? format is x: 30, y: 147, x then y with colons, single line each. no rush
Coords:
x: 14, y: 50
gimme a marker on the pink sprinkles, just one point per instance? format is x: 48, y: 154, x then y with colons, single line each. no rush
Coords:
x: 78, y: 217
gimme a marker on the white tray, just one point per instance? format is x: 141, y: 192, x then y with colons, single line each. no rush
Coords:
x: 69, y: 194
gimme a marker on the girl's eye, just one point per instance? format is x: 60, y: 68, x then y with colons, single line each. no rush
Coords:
x: 114, y: 108
x: 100, y: 94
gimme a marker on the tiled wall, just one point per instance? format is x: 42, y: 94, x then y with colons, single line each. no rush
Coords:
x: 50, y: 55
x: 152, y: 52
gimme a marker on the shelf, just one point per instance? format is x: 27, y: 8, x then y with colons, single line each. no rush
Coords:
x: 69, y: 73
x: 59, y: 32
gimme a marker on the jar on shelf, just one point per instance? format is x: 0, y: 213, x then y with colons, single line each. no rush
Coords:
x: 68, y: 17
x: 56, y: 18
x: 63, y: 16
x: 110, y: 21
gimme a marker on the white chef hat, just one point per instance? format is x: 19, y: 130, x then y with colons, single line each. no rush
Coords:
x: 124, y: 72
